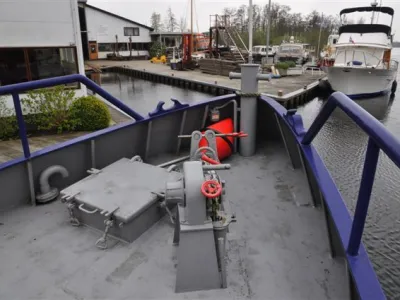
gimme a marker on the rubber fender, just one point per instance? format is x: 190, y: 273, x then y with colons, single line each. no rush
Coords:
x: 224, y: 144
x: 324, y: 89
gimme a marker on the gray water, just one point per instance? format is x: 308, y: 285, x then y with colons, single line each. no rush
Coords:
x: 342, y: 146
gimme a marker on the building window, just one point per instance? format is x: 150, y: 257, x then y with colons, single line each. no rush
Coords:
x: 106, y: 47
x: 12, y: 66
x: 131, y: 31
x: 25, y: 64
x: 122, y: 46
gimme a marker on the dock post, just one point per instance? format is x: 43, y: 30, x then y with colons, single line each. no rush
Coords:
x: 248, y: 105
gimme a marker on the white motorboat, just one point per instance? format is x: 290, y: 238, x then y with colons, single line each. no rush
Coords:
x: 363, y: 67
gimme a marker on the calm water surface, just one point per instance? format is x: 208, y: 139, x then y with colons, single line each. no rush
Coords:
x: 342, y: 146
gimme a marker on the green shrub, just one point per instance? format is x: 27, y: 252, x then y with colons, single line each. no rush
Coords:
x: 89, y: 113
x: 49, y: 108
x: 291, y: 64
x: 157, y: 49
x: 282, y: 65
x: 8, y: 122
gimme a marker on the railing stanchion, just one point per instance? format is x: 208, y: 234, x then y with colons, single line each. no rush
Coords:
x: 364, y: 196
x: 21, y: 125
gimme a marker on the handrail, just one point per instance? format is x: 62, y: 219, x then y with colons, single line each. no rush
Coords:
x: 44, y: 83
x: 379, y: 139
x: 15, y: 89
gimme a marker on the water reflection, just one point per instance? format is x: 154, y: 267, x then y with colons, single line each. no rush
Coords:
x: 377, y: 107
x: 143, y: 96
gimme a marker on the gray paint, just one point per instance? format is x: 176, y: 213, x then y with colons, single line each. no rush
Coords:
x: 14, y: 187
x: 275, y: 250
x: 195, y: 204
x: 197, y: 259
x: 122, y: 191
x: 248, y: 108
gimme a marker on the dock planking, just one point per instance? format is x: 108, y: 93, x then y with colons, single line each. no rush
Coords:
x: 291, y: 91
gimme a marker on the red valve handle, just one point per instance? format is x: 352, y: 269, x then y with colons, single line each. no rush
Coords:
x: 211, y: 189
x: 209, y: 160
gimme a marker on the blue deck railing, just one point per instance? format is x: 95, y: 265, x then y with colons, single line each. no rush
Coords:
x: 16, y: 89
x: 379, y: 139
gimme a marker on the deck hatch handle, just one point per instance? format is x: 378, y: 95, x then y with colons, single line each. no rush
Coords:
x: 87, y: 211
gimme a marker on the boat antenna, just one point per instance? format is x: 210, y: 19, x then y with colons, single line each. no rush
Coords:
x: 380, y: 8
x: 373, y: 4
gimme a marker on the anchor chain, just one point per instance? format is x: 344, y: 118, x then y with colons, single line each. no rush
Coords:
x: 101, y: 243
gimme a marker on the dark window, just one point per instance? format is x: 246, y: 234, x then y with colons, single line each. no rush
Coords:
x: 12, y: 66
x: 25, y: 64
x: 51, y: 62
x: 131, y: 31
x: 104, y: 47
x: 122, y: 46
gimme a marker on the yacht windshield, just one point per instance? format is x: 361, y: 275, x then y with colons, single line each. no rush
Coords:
x: 290, y: 49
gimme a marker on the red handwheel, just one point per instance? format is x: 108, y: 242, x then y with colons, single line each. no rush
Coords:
x: 211, y: 189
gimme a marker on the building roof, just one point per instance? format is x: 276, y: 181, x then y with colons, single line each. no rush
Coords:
x: 117, y: 16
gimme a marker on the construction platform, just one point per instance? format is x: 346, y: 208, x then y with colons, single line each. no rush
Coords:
x: 291, y: 91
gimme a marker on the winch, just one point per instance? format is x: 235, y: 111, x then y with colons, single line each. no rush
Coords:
x: 203, y: 217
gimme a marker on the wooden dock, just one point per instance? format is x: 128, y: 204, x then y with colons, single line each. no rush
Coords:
x: 290, y: 91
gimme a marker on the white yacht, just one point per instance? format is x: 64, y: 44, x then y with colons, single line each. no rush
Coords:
x: 363, y: 67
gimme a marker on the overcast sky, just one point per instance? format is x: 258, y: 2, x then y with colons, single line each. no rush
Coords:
x: 140, y: 10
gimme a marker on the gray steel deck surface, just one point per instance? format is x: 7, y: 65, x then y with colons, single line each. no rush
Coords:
x: 278, y: 249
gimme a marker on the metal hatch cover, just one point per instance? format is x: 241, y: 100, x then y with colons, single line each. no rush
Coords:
x: 125, y: 187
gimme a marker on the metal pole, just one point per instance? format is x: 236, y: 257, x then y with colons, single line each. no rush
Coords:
x: 268, y: 27
x: 191, y: 28
x: 250, y: 31
x: 21, y: 125
x: 319, y: 37
x: 364, y: 195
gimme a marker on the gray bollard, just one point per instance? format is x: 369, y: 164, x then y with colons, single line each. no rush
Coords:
x: 248, y: 105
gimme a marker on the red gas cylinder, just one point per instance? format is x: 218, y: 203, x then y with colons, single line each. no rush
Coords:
x: 225, y: 143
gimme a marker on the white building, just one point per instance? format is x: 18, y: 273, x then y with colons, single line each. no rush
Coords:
x: 40, y: 39
x: 106, y: 33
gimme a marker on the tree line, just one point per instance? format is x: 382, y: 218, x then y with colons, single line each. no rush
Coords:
x: 284, y: 24
x: 170, y: 22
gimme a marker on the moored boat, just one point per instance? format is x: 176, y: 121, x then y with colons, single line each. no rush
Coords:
x: 363, y: 67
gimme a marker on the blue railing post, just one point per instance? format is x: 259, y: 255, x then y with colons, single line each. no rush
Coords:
x: 364, y: 196
x: 21, y: 125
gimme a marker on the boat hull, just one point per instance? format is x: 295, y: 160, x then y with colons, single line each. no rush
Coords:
x: 361, y: 83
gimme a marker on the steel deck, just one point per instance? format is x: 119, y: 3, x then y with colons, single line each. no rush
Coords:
x: 278, y: 249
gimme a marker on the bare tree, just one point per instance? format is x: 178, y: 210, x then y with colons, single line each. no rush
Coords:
x: 155, y: 21
x: 171, y: 23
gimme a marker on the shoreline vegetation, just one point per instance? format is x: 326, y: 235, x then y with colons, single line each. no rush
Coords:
x: 54, y: 111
